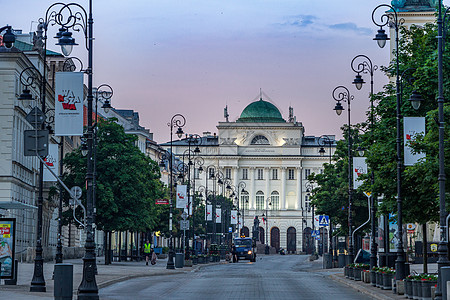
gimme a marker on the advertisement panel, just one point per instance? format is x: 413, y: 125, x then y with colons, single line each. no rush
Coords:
x: 412, y: 127
x: 233, y: 220
x: 209, y: 212
x: 7, y: 247
x: 218, y: 215
x: 182, y: 200
x: 359, y: 168
x: 52, y: 161
x: 69, y: 103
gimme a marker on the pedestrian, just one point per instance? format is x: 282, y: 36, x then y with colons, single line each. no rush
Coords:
x: 234, y: 252
x: 147, y: 251
x: 153, y: 260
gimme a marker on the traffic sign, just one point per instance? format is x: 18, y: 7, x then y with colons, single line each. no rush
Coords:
x: 35, y: 117
x: 315, y: 233
x: 324, y: 220
x: 184, y: 215
x: 76, y: 192
x: 230, y: 229
x: 184, y: 225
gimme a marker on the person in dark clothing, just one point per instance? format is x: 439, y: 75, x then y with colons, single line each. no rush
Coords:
x: 234, y: 252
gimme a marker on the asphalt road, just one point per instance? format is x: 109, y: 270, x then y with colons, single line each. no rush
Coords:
x: 271, y: 277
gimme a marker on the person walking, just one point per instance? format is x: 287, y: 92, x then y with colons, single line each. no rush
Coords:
x: 147, y: 251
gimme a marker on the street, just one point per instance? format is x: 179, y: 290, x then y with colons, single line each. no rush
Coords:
x: 271, y: 277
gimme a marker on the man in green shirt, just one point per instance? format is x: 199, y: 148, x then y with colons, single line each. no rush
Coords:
x: 147, y: 251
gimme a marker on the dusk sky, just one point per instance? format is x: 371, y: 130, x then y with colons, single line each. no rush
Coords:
x: 194, y: 57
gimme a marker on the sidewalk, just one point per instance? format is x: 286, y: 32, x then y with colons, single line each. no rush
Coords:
x: 107, y: 275
x: 374, y: 292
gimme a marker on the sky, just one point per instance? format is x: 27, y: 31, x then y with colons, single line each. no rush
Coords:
x: 194, y: 57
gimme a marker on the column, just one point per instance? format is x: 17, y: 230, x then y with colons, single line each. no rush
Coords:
x: 299, y: 188
x: 236, y: 176
x: 252, y: 195
x: 267, y: 190
x: 283, y: 188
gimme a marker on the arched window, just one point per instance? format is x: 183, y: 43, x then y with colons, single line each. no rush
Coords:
x: 244, y: 200
x: 275, y: 200
x: 259, y: 200
x: 260, y: 140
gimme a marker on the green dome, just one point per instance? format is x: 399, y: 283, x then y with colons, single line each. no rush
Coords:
x: 261, y: 111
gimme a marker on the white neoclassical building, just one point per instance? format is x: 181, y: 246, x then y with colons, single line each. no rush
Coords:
x: 271, y: 157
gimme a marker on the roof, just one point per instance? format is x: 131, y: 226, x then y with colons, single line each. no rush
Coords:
x: 414, y: 5
x: 261, y: 112
x: 205, y: 141
x: 22, y: 46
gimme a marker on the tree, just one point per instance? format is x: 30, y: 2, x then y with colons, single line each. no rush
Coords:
x: 127, y: 181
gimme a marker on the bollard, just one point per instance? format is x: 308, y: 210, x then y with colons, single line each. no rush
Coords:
x: 179, y: 260
x: 445, y: 274
x: 63, y: 274
x: 13, y: 281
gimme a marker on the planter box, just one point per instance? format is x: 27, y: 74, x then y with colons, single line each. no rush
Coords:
x: 201, y: 260
x: 357, y: 274
x: 408, y: 288
x: 426, y: 289
x: 188, y: 263
x: 351, y: 272
x: 387, y: 281
x: 415, y: 293
x: 379, y: 281
x: 346, y: 272
x: 373, y: 278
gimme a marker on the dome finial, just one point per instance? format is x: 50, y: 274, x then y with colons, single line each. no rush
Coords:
x: 260, y: 94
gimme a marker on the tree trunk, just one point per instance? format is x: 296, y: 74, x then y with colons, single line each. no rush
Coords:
x: 120, y: 245
x: 425, y: 248
x: 105, y: 243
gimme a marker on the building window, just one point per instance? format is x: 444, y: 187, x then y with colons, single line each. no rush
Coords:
x: 245, y: 174
x: 196, y: 173
x: 275, y: 200
x: 307, y: 173
x: 260, y: 174
x: 321, y: 171
x: 275, y: 174
x: 260, y: 140
x: 291, y: 173
x: 228, y: 173
x: 259, y: 200
x: 307, y: 203
x: 244, y: 200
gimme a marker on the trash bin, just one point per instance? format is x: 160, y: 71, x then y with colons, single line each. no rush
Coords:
x: 63, y: 276
x: 179, y: 260
x: 341, y: 260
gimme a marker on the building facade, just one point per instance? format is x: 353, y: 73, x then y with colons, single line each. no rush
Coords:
x: 266, y: 160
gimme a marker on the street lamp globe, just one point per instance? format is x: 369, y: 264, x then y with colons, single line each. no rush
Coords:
x: 321, y: 151
x: 338, y: 108
x: 66, y: 41
x: 106, y: 106
x: 381, y: 38
x: 179, y: 132
x: 9, y: 38
x: 415, y: 99
x: 358, y: 81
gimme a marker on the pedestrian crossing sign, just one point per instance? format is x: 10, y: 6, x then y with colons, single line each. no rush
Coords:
x: 324, y: 220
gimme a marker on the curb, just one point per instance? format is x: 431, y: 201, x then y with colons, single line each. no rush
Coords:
x: 360, y: 288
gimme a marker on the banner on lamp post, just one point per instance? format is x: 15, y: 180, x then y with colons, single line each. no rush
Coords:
x: 218, y: 215
x: 412, y: 127
x: 182, y: 200
x: 69, y: 103
x: 233, y: 217
x: 359, y: 168
x: 189, y: 204
x: 52, y: 161
x: 209, y: 212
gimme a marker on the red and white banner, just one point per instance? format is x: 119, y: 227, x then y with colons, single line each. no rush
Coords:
x: 218, y: 215
x: 190, y: 206
x: 208, y: 213
x: 359, y: 168
x: 69, y: 103
x: 233, y: 217
x: 182, y: 200
x: 52, y: 161
x: 412, y: 127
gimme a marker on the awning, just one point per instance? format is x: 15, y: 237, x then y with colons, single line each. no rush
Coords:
x: 16, y: 205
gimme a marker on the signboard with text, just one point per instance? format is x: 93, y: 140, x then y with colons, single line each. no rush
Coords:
x: 7, y: 247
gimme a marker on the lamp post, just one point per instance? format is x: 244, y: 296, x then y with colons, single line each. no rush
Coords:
x: 240, y: 189
x: 309, y: 187
x: 363, y: 64
x: 29, y: 77
x: 265, y: 216
x: 391, y: 19
x: 339, y: 94
x: 198, y: 165
x: 211, y: 175
x: 179, y: 121
x: 443, y: 247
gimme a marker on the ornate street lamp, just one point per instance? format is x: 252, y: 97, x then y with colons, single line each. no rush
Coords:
x: 309, y: 187
x: 240, y: 189
x: 363, y: 64
x: 339, y: 94
x: 179, y: 121
x: 8, y: 37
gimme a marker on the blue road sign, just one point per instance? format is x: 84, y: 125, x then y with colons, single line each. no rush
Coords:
x: 324, y: 220
x: 315, y: 233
